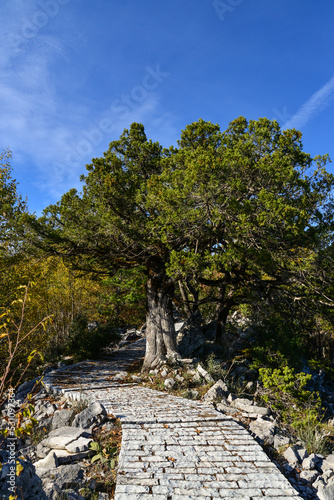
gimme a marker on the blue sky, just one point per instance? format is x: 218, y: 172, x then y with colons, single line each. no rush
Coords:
x: 75, y: 73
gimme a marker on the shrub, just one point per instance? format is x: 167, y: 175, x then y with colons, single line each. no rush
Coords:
x: 88, y: 343
x: 286, y: 393
x: 20, y: 342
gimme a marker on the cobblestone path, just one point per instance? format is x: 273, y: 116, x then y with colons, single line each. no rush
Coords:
x: 173, y: 448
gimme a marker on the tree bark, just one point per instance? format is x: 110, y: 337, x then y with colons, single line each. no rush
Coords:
x: 223, y: 308
x: 160, y: 332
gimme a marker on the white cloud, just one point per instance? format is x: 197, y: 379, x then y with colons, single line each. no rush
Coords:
x: 313, y: 105
x: 52, y: 135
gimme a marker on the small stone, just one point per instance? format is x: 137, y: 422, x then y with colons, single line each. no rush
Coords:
x: 280, y: 441
x: 61, y: 418
x: 81, y: 444
x: 231, y: 397
x: 217, y: 392
x: 203, y: 373
x: 49, y: 462
x: 291, y: 456
x: 179, y: 378
x: 164, y: 373
x: 301, y: 452
x: 95, y: 413
x: 310, y: 462
x: 169, y: 383
x: 309, y: 475
x: 136, y: 378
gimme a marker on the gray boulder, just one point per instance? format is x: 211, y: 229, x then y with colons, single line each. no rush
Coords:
x: 291, y: 456
x: 309, y: 475
x: 219, y: 391
x: 169, y: 383
x: 264, y: 430
x: 326, y: 491
x: 81, y: 444
x: 49, y: 462
x: 280, y: 441
x: 311, y: 462
x: 95, y: 413
x: 63, y: 477
x: 28, y: 485
x: 295, y: 454
x: 328, y: 463
x: 204, y: 374
x: 61, y: 418
x: 189, y: 336
x: 247, y: 406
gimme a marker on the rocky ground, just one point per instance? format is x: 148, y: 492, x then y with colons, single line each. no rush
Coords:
x: 56, y: 460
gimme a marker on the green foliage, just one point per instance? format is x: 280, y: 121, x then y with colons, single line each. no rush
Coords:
x: 84, y: 343
x: 123, y: 297
x: 242, y: 212
x: 286, y: 393
x: 314, y: 436
x: 107, y: 454
x: 16, y: 354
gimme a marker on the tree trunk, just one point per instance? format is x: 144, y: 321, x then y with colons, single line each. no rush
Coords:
x: 223, y: 308
x: 160, y: 332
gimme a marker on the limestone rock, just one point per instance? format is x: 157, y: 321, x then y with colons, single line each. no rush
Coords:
x: 189, y: 336
x: 64, y: 476
x: 217, y: 392
x: 241, y: 403
x: 280, y: 441
x: 291, y: 455
x: 59, y: 438
x: 95, y: 413
x: 81, y: 444
x: 326, y: 491
x: 203, y: 373
x: 264, y: 430
x: 248, y: 406
x: 328, y: 463
x: 164, y: 373
x: 61, y: 418
x: 295, y: 454
x: 309, y: 475
x: 169, y: 383
x: 310, y: 462
x: 49, y: 462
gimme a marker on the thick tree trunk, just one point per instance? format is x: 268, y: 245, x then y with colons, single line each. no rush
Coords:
x: 160, y: 332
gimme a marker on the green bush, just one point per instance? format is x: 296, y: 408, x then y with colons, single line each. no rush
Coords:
x: 88, y: 343
x: 286, y: 394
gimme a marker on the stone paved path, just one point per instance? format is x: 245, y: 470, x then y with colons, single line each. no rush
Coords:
x: 173, y: 448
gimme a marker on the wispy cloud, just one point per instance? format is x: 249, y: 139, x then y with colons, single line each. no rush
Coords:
x: 317, y: 102
x: 51, y: 134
